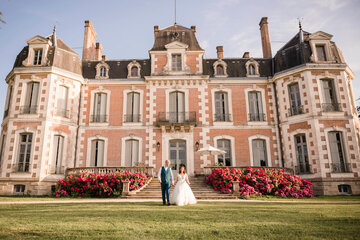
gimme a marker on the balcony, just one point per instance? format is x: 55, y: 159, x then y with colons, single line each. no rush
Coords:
x: 99, y: 118
x: 63, y: 113
x: 176, y: 118
x: 256, y: 117
x: 222, y: 117
x: 296, y: 110
x: 28, y: 109
x: 132, y: 118
x: 331, y: 107
x: 340, y: 167
x: 21, y: 167
x: 303, y: 168
x: 149, y: 171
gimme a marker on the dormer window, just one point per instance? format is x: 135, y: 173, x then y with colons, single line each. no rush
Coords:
x: 321, y: 54
x: 251, y: 69
x: 134, y: 71
x: 103, y: 72
x: 37, y: 56
x: 219, y: 70
x: 176, y: 62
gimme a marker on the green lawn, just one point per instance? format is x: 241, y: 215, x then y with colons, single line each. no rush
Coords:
x: 206, y: 220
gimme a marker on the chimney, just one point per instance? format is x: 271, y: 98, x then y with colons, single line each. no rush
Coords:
x: 265, y: 38
x: 193, y: 28
x: 246, y: 55
x: 156, y: 30
x: 98, y: 51
x: 220, y: 52
x: 89, y: 41
x: 104, y: 57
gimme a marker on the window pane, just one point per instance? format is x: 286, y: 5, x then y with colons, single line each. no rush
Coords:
x: 320, y: 50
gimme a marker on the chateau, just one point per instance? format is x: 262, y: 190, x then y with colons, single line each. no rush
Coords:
x: 293, y: 110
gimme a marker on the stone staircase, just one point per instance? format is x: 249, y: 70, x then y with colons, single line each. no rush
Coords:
x: 198, y: 185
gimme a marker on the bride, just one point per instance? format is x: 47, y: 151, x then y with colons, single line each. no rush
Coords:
x: 182, y: 194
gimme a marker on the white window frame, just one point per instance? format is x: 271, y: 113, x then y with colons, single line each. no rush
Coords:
x: 326, y: 44
x: 67, y: 100
x: 23, y: 99
x: 262, y: 91
x: 88, y: 152
x: 223, y: 64
x: 125, y: 93
x: 268, y: 152
x: 228, y: 91
x: 123, y: 146
x: 255, y: 64
x: 306, y: 132
x: 93, y: 92
x: 232, y: 143
x: 186, y: 96
x: 63, y: 160
x: 98, y: 67
x: 132, y: 64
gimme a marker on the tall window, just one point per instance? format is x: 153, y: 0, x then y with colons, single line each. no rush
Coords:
x: 251, y: 69
x: 221, y: 107
x: 133, y: 107
x: 8, y: 101
x: 330, y: 100
x: 255, y: 107
x: 337, y: 152
x: 2, y: 147
x: 134, y: 71
x: 220, y: 70
x: 131, y: 152
x: 295, y: 100
x: 100, y: 108
x: 259, y: 153
x: 102, y: 72
x: 225, y: 145
x: 31, y: 99
x: 58, y: 149
x: 37, y: 56
x: 97, y: 153
x: 177, y: 107
x: 302, y: 154
x: 23, y: 162
x: 61, y: 102
x: 320, y: 52
x: 176, y: 62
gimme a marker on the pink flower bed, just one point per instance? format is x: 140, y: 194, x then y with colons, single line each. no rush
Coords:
x: 99, y: 185
x: 257, y: 182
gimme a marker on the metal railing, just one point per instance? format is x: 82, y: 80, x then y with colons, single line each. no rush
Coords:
x: 296, y: 110
x: 303, y: 169
x: 256, y: 117
x: 63, y: 113
x: 340, y: 167
x: 222, y: 117
x: 331, y: 107
x: 28, y: 109
x: 149, y: 171
x: 181, y: 118
x: 98, y: 118
x: 21, y: 167
x: 132, y: 118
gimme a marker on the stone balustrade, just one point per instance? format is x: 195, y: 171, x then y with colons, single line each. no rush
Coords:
x: 148, y: 171
x: 208, y: 170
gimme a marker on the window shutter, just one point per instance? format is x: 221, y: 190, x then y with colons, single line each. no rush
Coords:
x: 326, y: 89
x: 259, y: 102
x: 103, y: 104
x: 218, y: 103
x: 252, y: 104
x: 29, y: 90
x: 334, y: 149
x: 62, y: 98
x: 135, y: 152
x: 172, y: 102
x: 136, y: 105
x: 93, y: 153
x: 225, y: 105
x: 259, y: 152
x: 129, y: 104
x: 128, y: 152
x: 100, y: 161
x: 34, y: 94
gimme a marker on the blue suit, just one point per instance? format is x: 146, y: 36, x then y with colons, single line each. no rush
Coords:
x: 165, y: 184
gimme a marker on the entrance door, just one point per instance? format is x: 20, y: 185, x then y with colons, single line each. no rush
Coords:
x: 177, y: 154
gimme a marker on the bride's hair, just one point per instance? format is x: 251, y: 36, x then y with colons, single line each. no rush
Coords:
x: 182, y: 166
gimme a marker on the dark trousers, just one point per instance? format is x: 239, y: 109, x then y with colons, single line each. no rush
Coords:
x: 165, y: 190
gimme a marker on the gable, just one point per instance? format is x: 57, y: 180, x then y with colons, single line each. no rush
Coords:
x: 320, y: 35
x: 176, y: 45
x: 37, y: 40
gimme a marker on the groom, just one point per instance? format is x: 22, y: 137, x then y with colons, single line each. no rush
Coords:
x: 165, y: 175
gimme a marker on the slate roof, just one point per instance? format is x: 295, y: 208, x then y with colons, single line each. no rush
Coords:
x: 175, y: 33
x: 118, y: 68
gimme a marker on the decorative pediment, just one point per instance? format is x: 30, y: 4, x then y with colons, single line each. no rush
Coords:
x: 38, y: 40
x: 320, y: 35
x: 176, y: 45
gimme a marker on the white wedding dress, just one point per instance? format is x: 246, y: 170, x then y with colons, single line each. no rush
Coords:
x: 182, y: 194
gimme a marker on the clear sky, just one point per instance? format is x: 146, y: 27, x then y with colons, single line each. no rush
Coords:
x: 125, y: 28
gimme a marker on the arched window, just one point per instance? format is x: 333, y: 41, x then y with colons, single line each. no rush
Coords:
x: 131, y: 152
x: 337, y: 152
x: 251, y: 69
x: 134, y: 71
x: 259, y: 153
x: 222, y: 107
x: 133, y: 107
x: 58, y: 149
x: 177, y: 107
x: 97, y: 153
x: 220, y: 70
x: 226, y: 158
x: 102, y: 72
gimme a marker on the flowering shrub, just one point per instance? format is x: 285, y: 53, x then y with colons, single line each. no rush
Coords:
x: 257, y: 182
x: 99, y: 185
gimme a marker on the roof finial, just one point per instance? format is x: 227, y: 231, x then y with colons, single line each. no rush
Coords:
x: 300, y: 26
x: 301, y: 33
x: 175, y: 14
x: 54, y: 36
